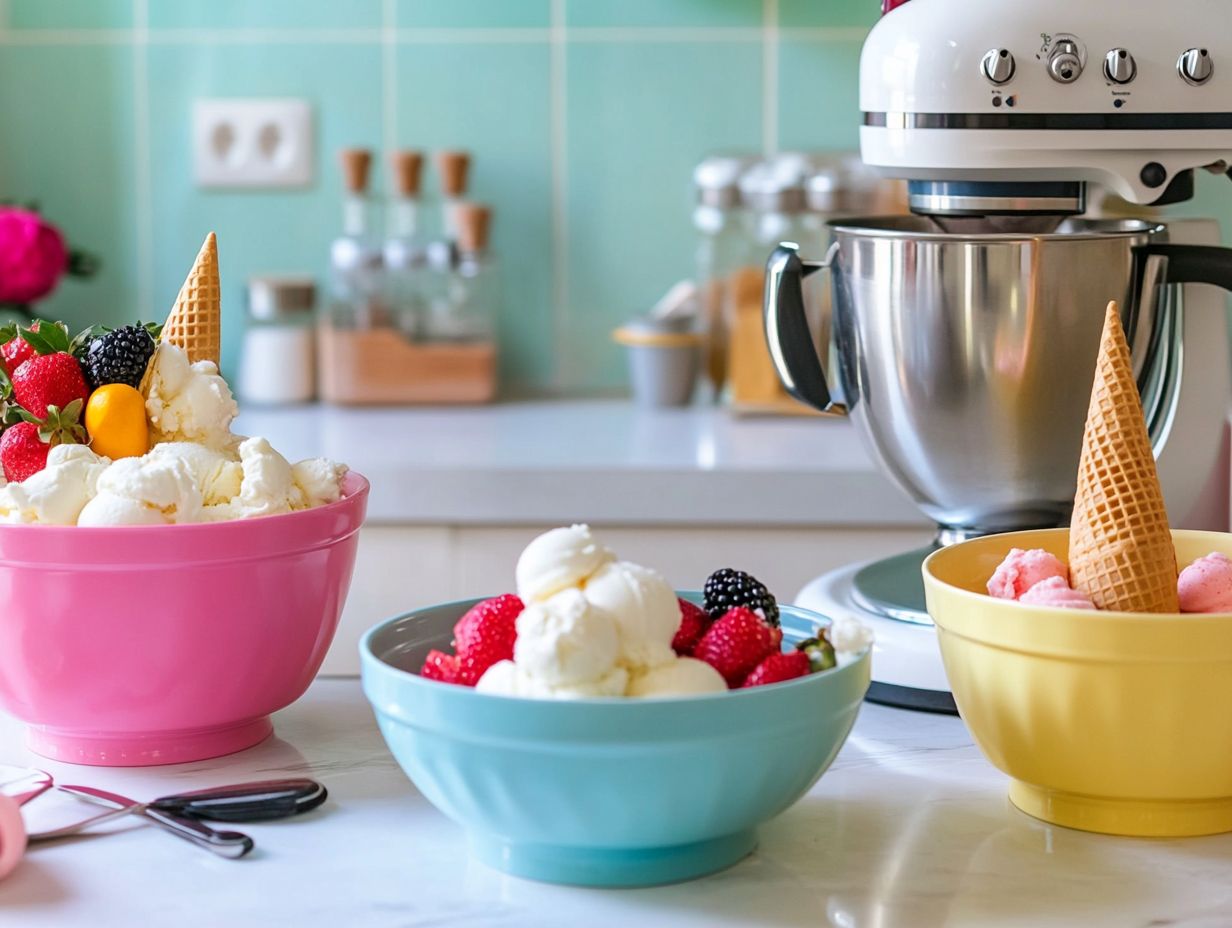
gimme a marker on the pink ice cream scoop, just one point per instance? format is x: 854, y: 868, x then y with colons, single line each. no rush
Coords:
x: 1206, y: 585
x: 1021, y: 570
x: 1056, y: 591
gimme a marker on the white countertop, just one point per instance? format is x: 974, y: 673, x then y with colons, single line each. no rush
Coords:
x: 604, y: 461
x: 910, y: 828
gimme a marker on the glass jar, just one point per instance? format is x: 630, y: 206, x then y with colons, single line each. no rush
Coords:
x: 464, y: 292
x: 772, y: 194
x: 356, y: 280
x: 278, y: 354
x: 720, y: 252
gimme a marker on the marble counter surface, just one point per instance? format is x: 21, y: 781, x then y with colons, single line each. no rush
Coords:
x: 605, y: 461
x: 909, y: 828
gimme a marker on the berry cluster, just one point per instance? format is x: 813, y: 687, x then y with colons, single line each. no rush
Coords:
x: 737, y: 634
x: 60, y: 390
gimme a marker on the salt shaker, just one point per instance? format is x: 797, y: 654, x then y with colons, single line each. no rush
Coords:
x: 278, y: 357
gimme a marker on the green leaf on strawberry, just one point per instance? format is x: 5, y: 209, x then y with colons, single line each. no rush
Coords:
x: 48, y: 338
x: 62, y: 426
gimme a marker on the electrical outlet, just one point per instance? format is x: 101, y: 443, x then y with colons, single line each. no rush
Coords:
x: 252, y: 143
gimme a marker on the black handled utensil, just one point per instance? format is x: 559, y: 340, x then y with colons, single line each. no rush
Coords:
x: 247, y: 802
x: 242, y: 802
x: 229, y: 844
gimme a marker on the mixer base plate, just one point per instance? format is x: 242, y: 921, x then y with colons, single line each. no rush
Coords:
x: 907, y: 669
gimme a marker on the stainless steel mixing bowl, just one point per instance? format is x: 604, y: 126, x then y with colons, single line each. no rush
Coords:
x: 966, y: 360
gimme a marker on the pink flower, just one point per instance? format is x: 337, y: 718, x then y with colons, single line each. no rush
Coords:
x: 32, y: 256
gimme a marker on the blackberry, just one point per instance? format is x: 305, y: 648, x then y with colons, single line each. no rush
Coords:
x: 119, y: 356
x: 728, y: 588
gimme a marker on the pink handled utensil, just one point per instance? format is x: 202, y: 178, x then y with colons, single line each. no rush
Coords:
x: 17, y: 787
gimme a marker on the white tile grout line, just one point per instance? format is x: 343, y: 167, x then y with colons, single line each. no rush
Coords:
x: 141, y: 161
x: 557, y: 66
x: 389, y: 78
x: 432, y: 36
x: 769, y: 77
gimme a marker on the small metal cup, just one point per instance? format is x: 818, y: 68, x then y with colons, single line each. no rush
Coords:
x: 664, y: 361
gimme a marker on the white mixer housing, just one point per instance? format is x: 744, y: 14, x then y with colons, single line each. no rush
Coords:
x: 1127, y: 95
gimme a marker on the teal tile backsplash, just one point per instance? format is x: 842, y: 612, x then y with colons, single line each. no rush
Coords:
x: 817, y: 96
x: 495, y: 101
x: 585, y: 118
x: 69, y: 14
x: 79, y: 164
x: 264, y: 14
x: 705, y: 13
x: 630, y: 156
x: 284, y: 230
x: 474, y: 14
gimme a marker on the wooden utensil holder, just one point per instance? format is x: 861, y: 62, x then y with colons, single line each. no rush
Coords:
x: 379, y: 367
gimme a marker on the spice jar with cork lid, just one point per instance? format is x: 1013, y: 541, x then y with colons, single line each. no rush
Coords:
x: 465, y: 310
x: 453, y: 168
x: 406, y: 247
x: 356, y: 285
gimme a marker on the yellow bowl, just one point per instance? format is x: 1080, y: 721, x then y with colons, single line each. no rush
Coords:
x: 1116, y: 722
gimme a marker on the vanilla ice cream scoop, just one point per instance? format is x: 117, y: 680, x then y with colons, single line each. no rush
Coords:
x: 683, y: 676
x: 188, y: 402
x: 319, y: 480
x: 505, y: 678
x: 268, y: 486
x: 218, y: 475
x: 558, y: 560
x: 645, y: 608
x: 564, y: 640
x: 142, y: 491
x: 56, y: 494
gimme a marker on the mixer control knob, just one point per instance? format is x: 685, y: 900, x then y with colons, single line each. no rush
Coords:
x: 1065, y: 62
x: 998, y: 66
x: 1196, y: 66
x: 1119, y: 66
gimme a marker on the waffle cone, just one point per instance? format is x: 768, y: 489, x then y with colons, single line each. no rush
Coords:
x: 195, y: 323
x: 1120, y: 546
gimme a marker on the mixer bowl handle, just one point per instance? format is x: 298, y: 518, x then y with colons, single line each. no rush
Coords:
x: 1195, y: 264
x: 787, y: 331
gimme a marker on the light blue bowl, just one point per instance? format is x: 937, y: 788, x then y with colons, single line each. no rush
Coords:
x: 606, y: 792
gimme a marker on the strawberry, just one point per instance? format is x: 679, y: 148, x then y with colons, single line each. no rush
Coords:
x: 49, y: 380
x: 693, y: 623
x: 24, y: 446
x: 486, y: 635
x: 736, y: 643
x: 779, y: 667
x: 22, y: 452
x: 15, y: 349
x: 441, y: 667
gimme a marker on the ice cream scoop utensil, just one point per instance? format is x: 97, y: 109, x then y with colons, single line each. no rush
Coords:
x: 241, y: 802
x: 229, y: 844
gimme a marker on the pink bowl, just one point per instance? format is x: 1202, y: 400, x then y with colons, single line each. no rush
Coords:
x: 145, y: 645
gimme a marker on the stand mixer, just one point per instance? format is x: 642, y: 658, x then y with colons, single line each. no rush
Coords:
x: 966, y: 334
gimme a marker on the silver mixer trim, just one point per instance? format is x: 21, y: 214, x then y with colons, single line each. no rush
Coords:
x: 948, y: 203
x: 1060, y: 121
